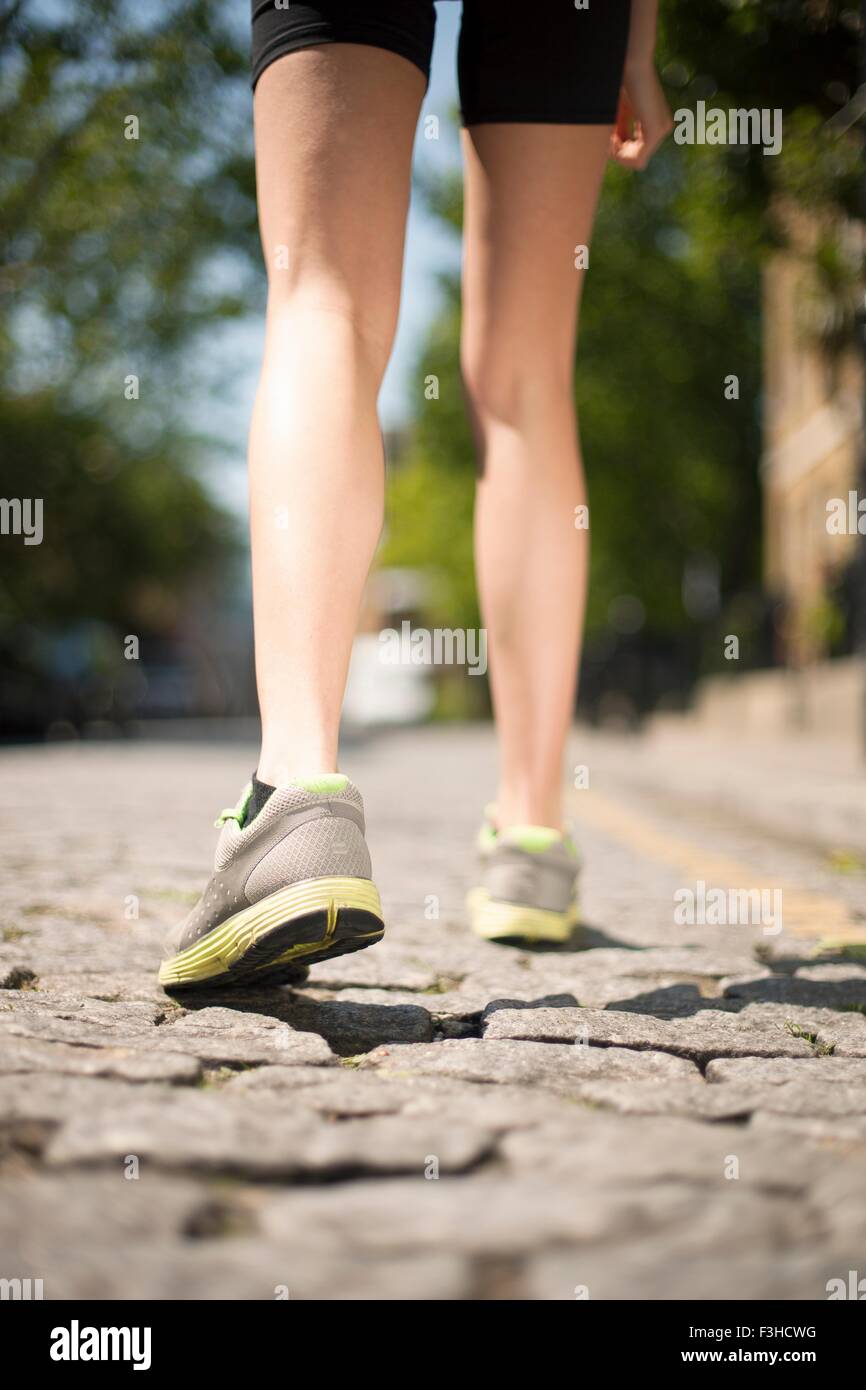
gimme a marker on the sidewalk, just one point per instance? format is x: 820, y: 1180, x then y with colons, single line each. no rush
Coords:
x: 670, y: 1111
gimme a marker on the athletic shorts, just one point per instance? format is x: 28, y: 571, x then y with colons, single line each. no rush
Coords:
x: 544, y: 62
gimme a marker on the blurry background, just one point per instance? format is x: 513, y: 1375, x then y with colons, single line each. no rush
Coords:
x: 131, y: 326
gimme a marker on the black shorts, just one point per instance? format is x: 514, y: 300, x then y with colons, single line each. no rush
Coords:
x: 546, y: 62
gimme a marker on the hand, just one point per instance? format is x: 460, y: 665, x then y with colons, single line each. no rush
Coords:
x: 643, y: 119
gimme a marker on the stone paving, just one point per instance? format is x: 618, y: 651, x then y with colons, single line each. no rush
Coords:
x: 660, y: 1111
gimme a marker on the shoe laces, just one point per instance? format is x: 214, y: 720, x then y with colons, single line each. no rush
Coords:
x: 238, y: 812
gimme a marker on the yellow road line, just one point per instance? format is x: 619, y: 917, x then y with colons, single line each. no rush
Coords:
x: 805, y: 913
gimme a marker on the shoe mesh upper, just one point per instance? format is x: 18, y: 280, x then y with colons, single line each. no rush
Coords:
x: 322, y: 848
x: 284, y: 799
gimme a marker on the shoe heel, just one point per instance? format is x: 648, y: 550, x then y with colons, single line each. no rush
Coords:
x: 495, y: 920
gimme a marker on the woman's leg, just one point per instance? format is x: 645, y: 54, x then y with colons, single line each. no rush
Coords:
x: 334, y: 131
x: 531, y: 193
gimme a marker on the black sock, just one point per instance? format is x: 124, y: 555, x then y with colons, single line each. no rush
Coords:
x: 261, y: 792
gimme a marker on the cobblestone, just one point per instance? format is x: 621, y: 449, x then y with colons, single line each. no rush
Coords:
x: 659, y: 1111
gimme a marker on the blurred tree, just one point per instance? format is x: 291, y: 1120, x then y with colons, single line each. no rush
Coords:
x: 800, y: 57
x: 671, y: 315
x: 671, y: 461
x: 127, y: 232
x: 127, y: 193
x: 806, y: 58
x: 124, y: 523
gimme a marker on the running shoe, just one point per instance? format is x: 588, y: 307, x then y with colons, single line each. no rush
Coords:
x: 289, y: 888
x: 528, y: 884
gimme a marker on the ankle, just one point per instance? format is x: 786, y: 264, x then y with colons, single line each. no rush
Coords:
x: 529, y: 808
x: 276, y: 768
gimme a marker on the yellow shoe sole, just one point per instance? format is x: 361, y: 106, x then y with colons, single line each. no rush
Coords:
x: 499, y: 921
x: 303, y: 922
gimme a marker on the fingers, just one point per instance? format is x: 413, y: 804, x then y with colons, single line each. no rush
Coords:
x: 643, y: 121
x: 629, y: 152
x: 635, y: 151
x: 623, y: 126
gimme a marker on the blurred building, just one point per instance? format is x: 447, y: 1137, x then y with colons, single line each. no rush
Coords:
x: 812, y: 415
x: 812, y: 481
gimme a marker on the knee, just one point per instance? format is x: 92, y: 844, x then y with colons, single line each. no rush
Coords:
x: 490, y: 383
x: 514, y: 387
x: 333, y: 324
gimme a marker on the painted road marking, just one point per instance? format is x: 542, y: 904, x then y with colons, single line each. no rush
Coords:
x: 806, y: 913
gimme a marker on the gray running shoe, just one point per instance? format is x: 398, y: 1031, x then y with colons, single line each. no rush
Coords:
x: 291, y: 888
x: 528, y: 884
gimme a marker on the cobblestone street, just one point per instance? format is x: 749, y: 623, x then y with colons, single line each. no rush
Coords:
x: 661, y: 1111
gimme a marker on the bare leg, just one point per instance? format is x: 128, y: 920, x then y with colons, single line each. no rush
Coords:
x: 334, y: 130
x: 531, y: 193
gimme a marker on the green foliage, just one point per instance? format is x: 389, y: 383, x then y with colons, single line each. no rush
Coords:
x: 430, y: 495
x: 671, y: 311
x: 124, y: 526
x: 796, y: 55
x: 801, y: 58
x: 114, y: 247
x: 119, y: 254
x: 671, y: 463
